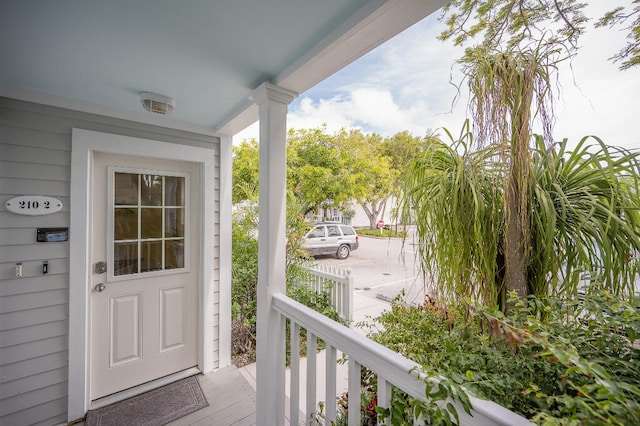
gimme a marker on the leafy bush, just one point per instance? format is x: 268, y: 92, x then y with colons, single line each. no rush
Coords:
x: 368, y: 402
x: 387, y: 233
x: 244, y: 278
x: 557, y: 362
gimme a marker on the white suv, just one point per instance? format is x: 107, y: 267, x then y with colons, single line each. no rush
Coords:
x: 331, y: 238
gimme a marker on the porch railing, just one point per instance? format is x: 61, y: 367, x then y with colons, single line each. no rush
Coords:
x: 391, y: 368
x: 338, y: 282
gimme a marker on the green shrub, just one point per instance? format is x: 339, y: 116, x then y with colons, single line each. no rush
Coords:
x: 386, y: 233
x: 244, y: 278
x: 558, y: 361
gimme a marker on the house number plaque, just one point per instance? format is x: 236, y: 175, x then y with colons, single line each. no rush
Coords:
x: 33, y: 205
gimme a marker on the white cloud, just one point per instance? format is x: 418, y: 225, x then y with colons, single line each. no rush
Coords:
x: 369, y: 108
x: 311, y: 114
x: 405, y: 85
x: 597, y: 98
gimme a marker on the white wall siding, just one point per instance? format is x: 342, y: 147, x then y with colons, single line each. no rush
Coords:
x: 35, y: 159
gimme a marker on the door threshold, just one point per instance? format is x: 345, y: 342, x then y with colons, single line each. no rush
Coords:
x: 145, y: 387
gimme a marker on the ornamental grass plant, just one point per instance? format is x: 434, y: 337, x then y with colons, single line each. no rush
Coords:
x: 583, y: 219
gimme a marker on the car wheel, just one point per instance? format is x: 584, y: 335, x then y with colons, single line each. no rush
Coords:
x: 343, y: 252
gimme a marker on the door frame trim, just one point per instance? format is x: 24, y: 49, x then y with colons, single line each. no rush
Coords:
x: 84, y: 143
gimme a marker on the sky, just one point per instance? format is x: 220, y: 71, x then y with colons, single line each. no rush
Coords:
x: 406, y: 84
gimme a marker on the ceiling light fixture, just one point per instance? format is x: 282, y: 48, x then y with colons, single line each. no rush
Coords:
x: 156, y: 103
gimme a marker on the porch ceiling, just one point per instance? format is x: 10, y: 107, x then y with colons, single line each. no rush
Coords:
x: 96, y: 56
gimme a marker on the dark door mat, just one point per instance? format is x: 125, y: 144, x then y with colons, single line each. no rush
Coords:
x: 157, y: 407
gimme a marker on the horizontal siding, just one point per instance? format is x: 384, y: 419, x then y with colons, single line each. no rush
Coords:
x: 12, y: 374
x: 32, y: 269
x: 34, y: 382
x: 19, y: 319
x: 21, y: 235
x: 26, y: 170
x: 39, y: 415
x: 51, y: 120
x: 35, y: 159
x: 35, y: 154
x: 29, y: 301
x: 25, y: 351
x: 35, y: 251
x: 24, y: 402
x: 33, y: 281
x: 13, y: 186
x: 27, y: 136
x: 33, y: 333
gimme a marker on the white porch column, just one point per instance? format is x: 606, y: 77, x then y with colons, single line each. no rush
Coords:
x: 272, y: 101
x: 226, y: 221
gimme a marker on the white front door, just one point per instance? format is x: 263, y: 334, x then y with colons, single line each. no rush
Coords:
x: 145, y: 279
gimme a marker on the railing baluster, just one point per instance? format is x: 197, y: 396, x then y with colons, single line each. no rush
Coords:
x: 384, y: 396
x: 294, y: 394
x: 348, y: 303
x: 281, y: 365
x: 331, y: 384
x: 354, y: 393
x: 311, y: 377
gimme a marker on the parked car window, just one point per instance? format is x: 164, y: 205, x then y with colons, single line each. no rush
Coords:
x: 319, y: 232
x: 347, y: 230
x: 333, y: 231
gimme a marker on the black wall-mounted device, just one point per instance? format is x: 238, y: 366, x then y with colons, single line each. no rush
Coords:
x: 52, y: 235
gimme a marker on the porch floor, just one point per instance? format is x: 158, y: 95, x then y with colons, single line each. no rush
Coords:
x: 232, y: 400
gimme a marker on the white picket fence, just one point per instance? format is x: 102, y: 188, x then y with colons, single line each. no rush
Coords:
x: 338, y: 282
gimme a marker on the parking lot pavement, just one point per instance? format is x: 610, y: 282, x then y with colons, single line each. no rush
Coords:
x: 365, y: 309
x: 382, y: 269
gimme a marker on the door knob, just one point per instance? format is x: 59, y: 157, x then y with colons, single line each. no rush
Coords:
x: 100, y: 287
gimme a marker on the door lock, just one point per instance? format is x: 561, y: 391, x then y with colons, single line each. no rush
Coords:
x: 100, y: 287
x: 100, y: 267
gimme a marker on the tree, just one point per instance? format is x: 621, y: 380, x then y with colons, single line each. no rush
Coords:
x: 510, y: 23
x: 401, y: 149
x: 325, y: 171
x: 245, y: 170
x: 370, y: 174
x: 318, y: 170
x: 510, y: 76
x: 511, y: 73
x: 630, y: 53
x: 583, y: 218
x: 507, y: 91
x: 316, y: 173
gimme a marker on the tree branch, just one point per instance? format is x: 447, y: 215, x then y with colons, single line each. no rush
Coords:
x: 563, y: 16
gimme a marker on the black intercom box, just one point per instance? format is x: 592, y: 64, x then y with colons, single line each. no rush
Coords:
x: 52, y: 235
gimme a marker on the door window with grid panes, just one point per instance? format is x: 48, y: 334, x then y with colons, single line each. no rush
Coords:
x: 148, y: 221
